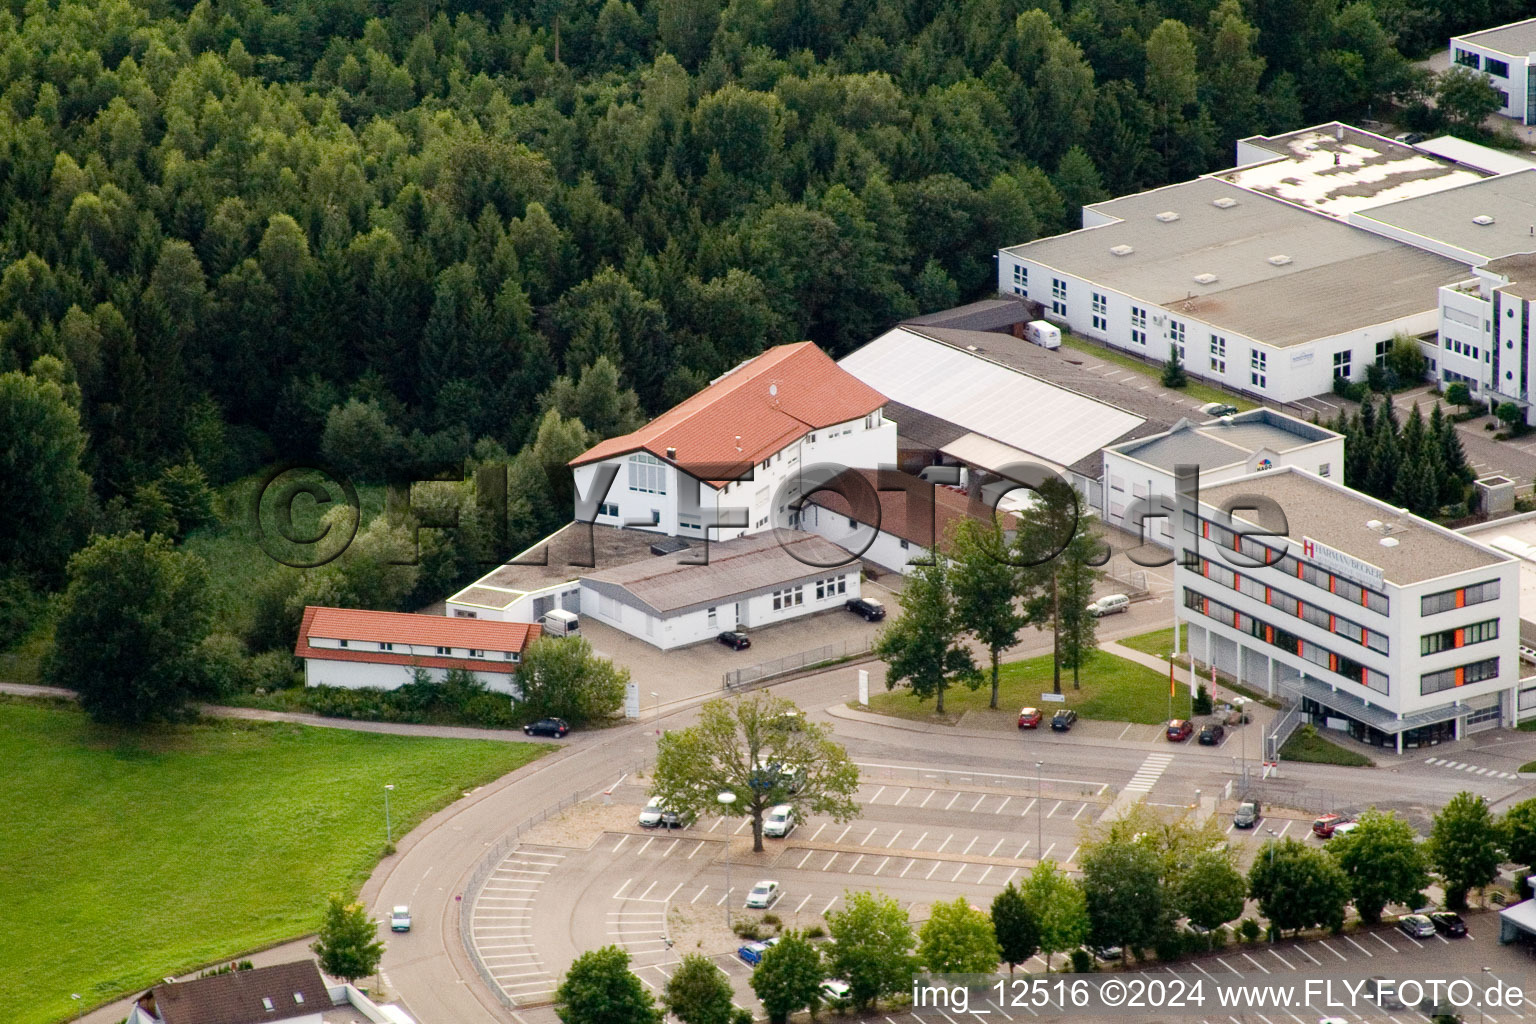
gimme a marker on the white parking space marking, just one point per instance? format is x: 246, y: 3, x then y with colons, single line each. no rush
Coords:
x: 1304, y: 953
x: 1384, y: 942
x: 1228, y: 966
x: 828, y: 865
x: 1053, y: 810
x: 828, y: 907
x: 1027, y: 808
x: 622, y: 887
x: 804, y: 859
x: 1071, y: 857
x: 1357, y: 945
x: 906, y: 869
x: 883, y: 863
x: 927, y: 798
x: 1324, y: 944
x: 933, y: 869
x: 984, y: 875
x: 958, y: 872
x: 952, y: 801
x: 620, y: 846
x: 1003, y: 804
x: 818, y: 831
x: 1047, y: 852
x: 802, y: 902
x: 977, y: 804
x: 894, y: 838
x: 868, y: 837
x: 1284, y: 829
x: 841, y: 834
x: 1021, y: 850
x: 696, y: 895
x: 649, y: 840
x: 903, y: 795
x: 1255, y: 963
x: 696, y: 849
x: 1080, y: 810
x: 855, y: 866
x: 876, y: 797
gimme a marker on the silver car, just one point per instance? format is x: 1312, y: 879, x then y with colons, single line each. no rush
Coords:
x: 766, y: 893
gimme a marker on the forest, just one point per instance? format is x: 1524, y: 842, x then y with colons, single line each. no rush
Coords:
x: 423, y: 232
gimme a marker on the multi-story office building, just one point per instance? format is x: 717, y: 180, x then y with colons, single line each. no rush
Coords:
x: 1506, y: 55
x: 1375, y: 621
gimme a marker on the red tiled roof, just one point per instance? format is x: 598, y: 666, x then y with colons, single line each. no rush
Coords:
x: 406, y: 628
x: 949, y: 506
x: 295, y: 989
x: 751, y: 412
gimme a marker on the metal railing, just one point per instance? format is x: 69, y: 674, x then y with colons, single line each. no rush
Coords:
x: 1280, y: 731
x: 826, y: 654
x: 494, y: 855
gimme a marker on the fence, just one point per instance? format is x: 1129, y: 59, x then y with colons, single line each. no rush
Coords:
x: 1134, y: 581
x: 828, y: 654
x: 493, y: 857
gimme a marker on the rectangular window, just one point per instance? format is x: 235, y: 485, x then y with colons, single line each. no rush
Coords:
x: 445, y: 650
x: 1258, y: 369
x: 1468, y: 58
x: 713, y: 617
x: 1100, y: 312
x: 1325, y: 470
x: 386, y: 647
x: 790, y: 597
x: 1021, y: 279
x: 1176, y: 338
x: 1478, y: 593
x: 1382, y: 348
x: 608, y: 508
x: 1218, y: 353
x: 346, y: 643
x: 1058, y: 296
x: 1341, y: 363
x: 1447, y: 639
x: 1449, y: 679
x: 1496, y: 68
x: 647, y: 473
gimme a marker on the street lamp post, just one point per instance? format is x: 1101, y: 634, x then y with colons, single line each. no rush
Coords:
x: 389, y: 834
x: 725, y: 798
x: 1039, y: 812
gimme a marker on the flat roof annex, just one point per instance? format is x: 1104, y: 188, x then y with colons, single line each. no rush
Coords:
x: 561, y: 557
x: 749, y: 413
x: 1517, y: 39
x: 1509, y: 199
x: 1223, y: 442
x: 1336, y: 516
x: 1282, y: 276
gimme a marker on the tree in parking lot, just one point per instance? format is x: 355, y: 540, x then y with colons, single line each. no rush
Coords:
x: 957, y: 938
x: 348, y: 943
x: 986, y: 589
x: 560, y: 677
x: 698, y: 993
x: 1123, y: 889
x: 789, y: 977
x: 1298, y: 886
x: 1519, y: 827
x: 601, y: 989
x: 741, y: 746
x: 1014, y: 926
x: 1465, y: 847
x: 1211, y: 890
x: 872, y: 947
x: 1059, y: 908
x: 925, y: 648
x: 1384, y: 862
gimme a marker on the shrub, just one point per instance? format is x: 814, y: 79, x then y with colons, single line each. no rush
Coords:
x: 747, y: 929
x: 772, y: 919
x: 1202, y: 702
x: 815, y: 931
x: 1170, y: 946
x: 1351, y: 389
x: 1249, y: 929
x: 1082, y: 961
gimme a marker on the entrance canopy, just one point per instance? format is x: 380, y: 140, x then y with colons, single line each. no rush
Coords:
x: 1518, y: 922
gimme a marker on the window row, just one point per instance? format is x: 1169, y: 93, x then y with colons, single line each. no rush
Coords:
x: 1461, y: 348
x: 1322, y: 618
x: 1275, y: 636
x: 789, y: 597
x: 647, y: 473
x: 831, y: 587
x: 1450, y: 639
x: 1462, y: 597
x: 1289, y: 565
x: 1462, y: 675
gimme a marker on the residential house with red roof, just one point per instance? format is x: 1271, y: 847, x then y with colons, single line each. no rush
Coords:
x: 352, y: 648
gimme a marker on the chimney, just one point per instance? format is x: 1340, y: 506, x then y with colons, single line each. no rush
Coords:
x: 671, y: 454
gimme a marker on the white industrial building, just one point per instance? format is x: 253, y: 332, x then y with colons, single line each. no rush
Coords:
x: 1276, y: 276
x: 717, y: 466
x: 1505, y: 55
x: 356, y: 649
x: 1371, y: 620
x: 1225, y: 449
x: 749, y: 582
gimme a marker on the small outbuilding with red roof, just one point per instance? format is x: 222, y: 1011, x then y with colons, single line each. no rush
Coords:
x: 354, y: 649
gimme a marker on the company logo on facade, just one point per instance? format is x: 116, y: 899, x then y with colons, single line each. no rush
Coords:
x: 1264, y: 464
x: 1337, y: 561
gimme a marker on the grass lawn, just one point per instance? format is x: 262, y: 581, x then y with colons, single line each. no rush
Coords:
x: 1529, y: 766
x: 1158, y: 643
x: 1113, y: 689
x: 125, y: 859
x: 1308, y: 745
x: 1194, y: 389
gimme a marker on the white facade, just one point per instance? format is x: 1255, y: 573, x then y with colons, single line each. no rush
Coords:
x: 655, y: 491
x: 1509, y: 73
x: 1485, y: 334
x: 523, y: 606
x: 884, y: 549
x: 828, y: 589
x: 356, y: 675
x: 1329, y: 629
x: 1278, y: 373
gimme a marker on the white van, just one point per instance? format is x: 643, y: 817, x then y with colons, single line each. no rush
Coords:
x: 560, y: 622
x: 780, y: 822
x: 1109, y: 604
x: 1042, y: 333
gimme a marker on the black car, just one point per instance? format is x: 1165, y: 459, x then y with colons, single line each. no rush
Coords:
x: 1447, y: 923
x: 1248, y: 814
x: 734, y: 640
x: 1063, y: 720
x: 872, y: 610
x: 1212, y: 734
x: 555, y: 727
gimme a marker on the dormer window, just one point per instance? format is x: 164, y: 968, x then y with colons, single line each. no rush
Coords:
x: 298, y: 997
x: 266, y: 1001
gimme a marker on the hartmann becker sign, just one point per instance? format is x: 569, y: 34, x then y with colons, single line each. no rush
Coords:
x: 1337, y: 561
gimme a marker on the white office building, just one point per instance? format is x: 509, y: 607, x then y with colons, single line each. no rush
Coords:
x: 1505, y: 55
x: 1371, y: 620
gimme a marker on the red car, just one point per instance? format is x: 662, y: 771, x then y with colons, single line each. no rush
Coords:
x: 1323, y: 827
x: 1180, y: 730
x: 1029, y: 718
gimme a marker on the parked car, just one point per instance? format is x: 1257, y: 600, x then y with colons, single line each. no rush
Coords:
x: 1108, y: 605
x: 1248, y: 814
x: 555, y: 727
x: 1179, y: 730
x: 1029, y: 718
x: 1447, y: 923
x: 752, y: 952
x: 872, y: 610
x: 1416, y: 926
x: 836, y: 992
x: 764, y: 895
x: 651, y: 814
x: 1107, y: 953
x: 676, y: 819
x: 780, y: 822
x: 1383, y: 991
x: 1212, y: 734
x: 1323, y: 827
x: 1343, y: 829
x: 1063, y: 720
x: 400, y: 919
x: 1218, y: 409
x: 735, y: 640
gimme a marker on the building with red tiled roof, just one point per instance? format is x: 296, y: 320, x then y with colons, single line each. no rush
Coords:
x: 353, y: 648
x: 714, y: 467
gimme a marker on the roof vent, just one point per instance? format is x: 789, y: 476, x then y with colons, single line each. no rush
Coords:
x: 1122, y: 250
x: 972, y: 348
x: 1389, y: 542
x: 1168, y: 216
x: 671, y: 454
x: 1205, y: 278
x: 1482, y: 220
x: 1280, y: 260
x: 1224, y: 203
x: 1373, y: 524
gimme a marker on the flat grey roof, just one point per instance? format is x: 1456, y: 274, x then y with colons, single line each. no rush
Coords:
x: 1510, y: 199
x: 1336, y: 516
x: 1338, y: 278
x: 1521, y: 271
x: 1188, y: 445
x: 1518, y: 39
x: 1225, y: 441
x: 746, y: 565
x: 559, y: 552
x: 985, y: 315
x: 918, y: 429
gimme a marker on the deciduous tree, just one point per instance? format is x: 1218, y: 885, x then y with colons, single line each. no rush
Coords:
x: 600, y: 989
x: 1383, y: 861
x: 1059, y: 907
x: 925, y: 647
x: 1298, y: 886
x: 1211, y: 890
x: 348, y: 944
x: 1014, y: 926
x: 958, y: 939
x: 872, y: 947
x: 1465, y: 847
x: 563, y: 678
x: 789, y: 977
x: 1123, y: 890
x: 985, y: 584
x: 698, y: 993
